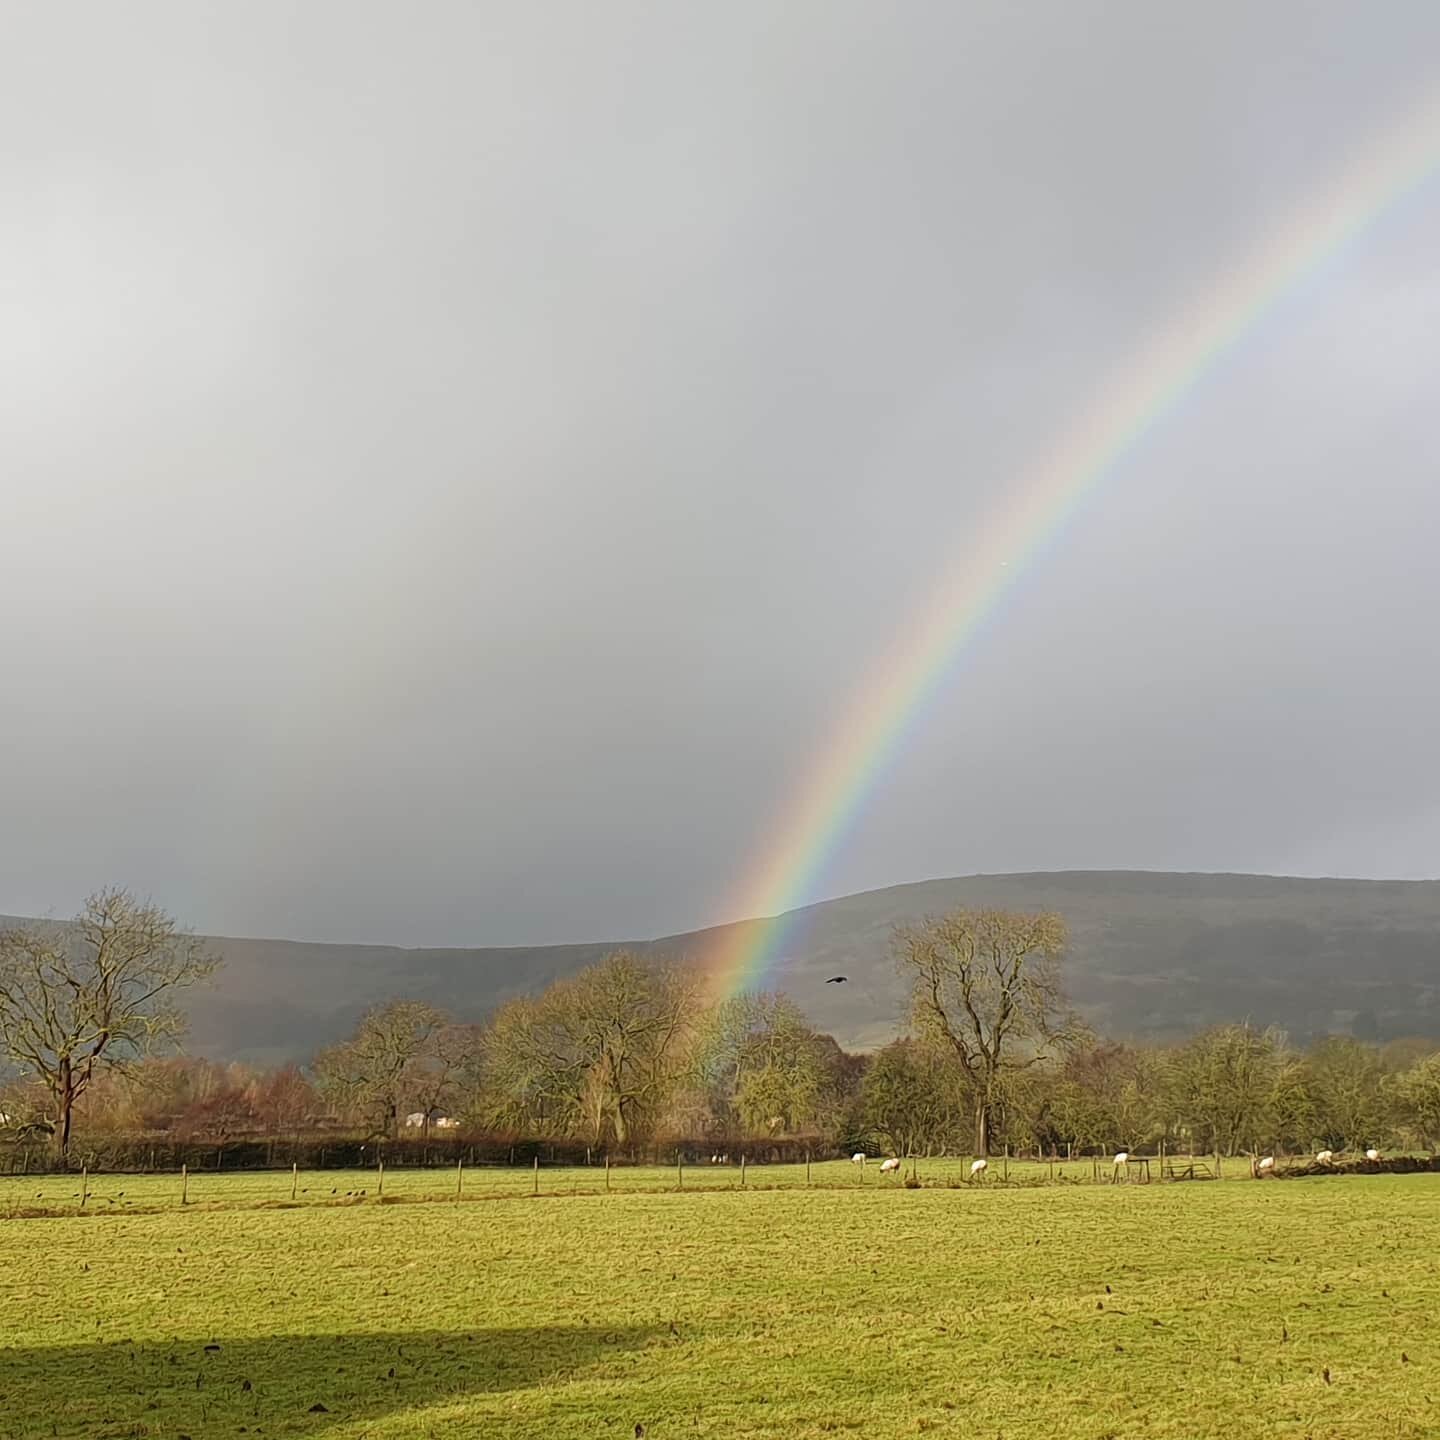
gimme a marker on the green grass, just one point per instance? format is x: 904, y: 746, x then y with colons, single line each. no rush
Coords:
x: 1065, y: 1311
x: 60, y: 1194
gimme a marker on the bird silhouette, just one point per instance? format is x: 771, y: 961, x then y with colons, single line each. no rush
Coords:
x: 837, y: 980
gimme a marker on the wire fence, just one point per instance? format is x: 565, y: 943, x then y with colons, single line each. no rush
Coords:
x: 112, y: 1192
x: 160, y: 1154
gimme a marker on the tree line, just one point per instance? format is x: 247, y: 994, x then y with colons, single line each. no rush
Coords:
x: 631, y: 1054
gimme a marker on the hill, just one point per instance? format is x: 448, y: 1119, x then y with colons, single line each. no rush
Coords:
x: 1153, y: 955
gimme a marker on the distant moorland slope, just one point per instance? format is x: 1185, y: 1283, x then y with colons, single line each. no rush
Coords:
x: 1153, y: 955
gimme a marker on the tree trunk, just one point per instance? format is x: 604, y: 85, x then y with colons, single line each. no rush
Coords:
x: 982, y: 1128
x: 66, y: 1101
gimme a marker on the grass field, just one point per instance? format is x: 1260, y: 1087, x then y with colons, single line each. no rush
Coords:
x: 1306, y: 1308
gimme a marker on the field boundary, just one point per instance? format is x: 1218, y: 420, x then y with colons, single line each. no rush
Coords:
x: 106, y: 1195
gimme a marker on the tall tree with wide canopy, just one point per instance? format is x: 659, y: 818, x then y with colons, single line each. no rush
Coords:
x: 762, y: 1062
x: 599, y: 1054
x: 987, y: 983
x: 95, y: 994
x: 402, y: 1053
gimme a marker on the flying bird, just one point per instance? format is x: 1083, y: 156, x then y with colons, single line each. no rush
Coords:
x: 837, y: 979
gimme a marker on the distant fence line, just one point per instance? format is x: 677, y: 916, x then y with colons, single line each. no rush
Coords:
x: 161, y: 1155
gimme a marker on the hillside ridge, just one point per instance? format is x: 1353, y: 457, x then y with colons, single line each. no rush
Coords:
x: 1153, y: 953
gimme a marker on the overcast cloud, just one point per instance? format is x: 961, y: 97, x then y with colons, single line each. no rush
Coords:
x: 458, y: 460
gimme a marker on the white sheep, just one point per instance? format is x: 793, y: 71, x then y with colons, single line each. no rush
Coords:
x: 1326, y: 1157
x: 978, y: 1169
x: 415, y: 1121
x: 1372, y: 1154
x: 446, y: 1122
x: 1123, y: 1158
x: 1266, y: 1166
x: 858, y: 1158
x: 887, y: 1166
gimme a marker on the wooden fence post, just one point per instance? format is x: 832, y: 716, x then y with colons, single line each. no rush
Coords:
x: 807, y: 1167
x: 607, y: 1170
x: 380, y: 1183
x: 535, y: 1189
x: 1005, y: 1164
x: 459, y: 1177
x: 84, y: 1184
x: 742, y: 1169
x: 679, y: 1172
x: 294, y: 1177
x: 184, y: 1184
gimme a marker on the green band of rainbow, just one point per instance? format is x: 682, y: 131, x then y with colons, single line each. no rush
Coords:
x: 825, y: 805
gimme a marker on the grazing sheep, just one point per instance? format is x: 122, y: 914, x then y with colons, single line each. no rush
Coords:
x: 1123, y: 1158
x: 1326, y: 1157
x: 1265, y: 1166
x: 978, y: 1169
x: 1372, y: 1154
x: 446, y: 1122
x: 415, y: 1121
x: 887, y: 1166
x: 858, y: 1158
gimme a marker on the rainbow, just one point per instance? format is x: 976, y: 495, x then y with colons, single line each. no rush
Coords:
x: 824, y: 807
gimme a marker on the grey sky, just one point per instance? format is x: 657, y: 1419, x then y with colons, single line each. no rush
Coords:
x: 458, y: 459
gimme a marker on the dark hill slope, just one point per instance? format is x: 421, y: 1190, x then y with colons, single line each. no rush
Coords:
x: 1154, y: 955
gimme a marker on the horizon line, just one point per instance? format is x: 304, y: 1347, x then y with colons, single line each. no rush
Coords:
x: 619, y: 944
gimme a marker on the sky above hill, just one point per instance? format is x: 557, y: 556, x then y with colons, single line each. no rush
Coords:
x: 459, y: 461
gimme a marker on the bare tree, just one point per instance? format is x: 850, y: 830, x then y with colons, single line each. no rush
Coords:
x: 987, y: 983
x: 402, y: 1052
x: 914, y: 1097
x: 439, y: 1077
x: 598, y: 1055
x: 284, y: 1100
x: 761, y: 1060
x: 1345, y: 1083
x: 1224, y: 1085
x: 80, y: 998
x: 1416, y: 1095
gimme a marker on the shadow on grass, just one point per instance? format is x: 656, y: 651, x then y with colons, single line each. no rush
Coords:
x: 282, y: 1384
